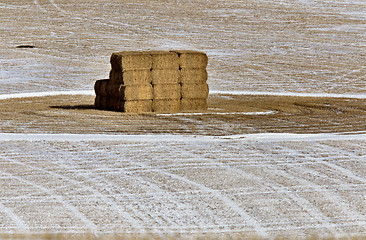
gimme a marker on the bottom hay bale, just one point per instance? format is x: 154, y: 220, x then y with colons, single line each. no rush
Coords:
x: 136, y: 106
x: 166, y: 105
x: 97, y: 102
x: 101, y: 102
x: 193, y: 104
x: 105, y: 103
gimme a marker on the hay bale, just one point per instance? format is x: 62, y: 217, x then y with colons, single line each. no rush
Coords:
x: 193, y: 104
x: 116, y: 77
x: 97, y: 102
x: 131, y: 60
x: 193, y: 75
x: 100, y: 87
x: 166, y: 91
x: 104, y: 103
x: 191, y: 59
x: 166, y: 105
x: 113, y: 104
x: 194, y: 90
x: 136, y: 106
x: 163, y: 76
x: 130, y: 77
x: 164, y: 60
x: 130, y: 92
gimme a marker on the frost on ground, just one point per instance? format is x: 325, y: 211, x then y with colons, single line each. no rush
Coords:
x: 199, y: 172
x: 169, y: 184
x: 248, y: 166
x: 253, y: 45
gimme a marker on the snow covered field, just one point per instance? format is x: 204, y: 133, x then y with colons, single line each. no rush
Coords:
x: 292, y: 169
x: 257, y: 184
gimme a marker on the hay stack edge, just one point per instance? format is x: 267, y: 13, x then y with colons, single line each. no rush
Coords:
x: 154, y: 81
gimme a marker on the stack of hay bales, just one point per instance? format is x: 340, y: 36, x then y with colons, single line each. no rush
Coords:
x: 128, y: 88
x: 154, y: 81
x: 193, y: 78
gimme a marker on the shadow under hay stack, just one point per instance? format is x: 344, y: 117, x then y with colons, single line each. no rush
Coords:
x: 154, y: 81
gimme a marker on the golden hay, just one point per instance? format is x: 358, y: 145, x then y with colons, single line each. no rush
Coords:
x: 166, y: 105
x: 131, y: 60
x: 191, y: 59
x: 194, y: 90
x: 135, y: 106
x: 193, y: 75
x: 130, y: 77
x: 164, y: 60
x: 166, y: 91
x: 130, y: 92
x: 162, y: 76
x: 188, y: 104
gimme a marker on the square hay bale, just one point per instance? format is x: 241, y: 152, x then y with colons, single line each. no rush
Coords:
x: 193, y: 104
x: 164, y: 60
x: 191, y: 59
x: 130, y: 92
x: 194, y: 90
x: 116, y: 77
x: 136, y: 106
x: 100, y: 87
x: 166, y: 91
x: 131, y: 60
x: 193, y: 75
x: 130, y: 77
x: 113, y: 104
x: 97, y: 102
x: 104, y: 103
x: 163, y: 76
x: 166, y: 105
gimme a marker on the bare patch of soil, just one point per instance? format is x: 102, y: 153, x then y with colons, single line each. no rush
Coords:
x: 226, y: 115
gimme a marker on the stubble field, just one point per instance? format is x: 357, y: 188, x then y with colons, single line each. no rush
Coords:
x: 279, y: 153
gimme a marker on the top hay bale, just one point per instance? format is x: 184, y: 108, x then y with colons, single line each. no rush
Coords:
x: 164, y: 60
x: 143, y: 60
x: 131, y: 60
x: 191, y: 59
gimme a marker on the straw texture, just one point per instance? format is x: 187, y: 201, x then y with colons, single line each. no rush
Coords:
x: 163, y: 76
x: 131, y: 60
x: 164, y: 60
x: 194, y: 90
x: 166, y: 105
x: 189, y: 104
x: 191, y: 59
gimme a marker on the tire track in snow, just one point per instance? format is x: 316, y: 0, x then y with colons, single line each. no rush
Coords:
x: 331, y: 196
x: 95, y: 192
x: 215, y: 193
x: 57, y: 7
x: 101, y: 182
x: 342, y: 170
x: 167, y: 196
x: 91, y: 226
x: 21, y: 226
x: 129, y: 27
x: 228, y: 202
x: 300, y: 201
x: 139, y: 214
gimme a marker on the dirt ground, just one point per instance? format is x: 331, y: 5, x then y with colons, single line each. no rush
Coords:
x: 226, y: 115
